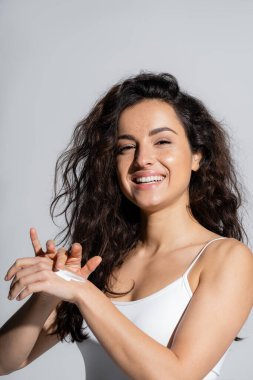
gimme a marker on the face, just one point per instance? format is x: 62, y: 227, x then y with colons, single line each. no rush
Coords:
x: 154, y: 159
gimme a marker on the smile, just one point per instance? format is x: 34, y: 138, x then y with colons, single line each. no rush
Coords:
x: 148, y: 183
x: 150, y: 179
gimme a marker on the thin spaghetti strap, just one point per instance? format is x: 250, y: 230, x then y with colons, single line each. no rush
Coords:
x: 199, y: 254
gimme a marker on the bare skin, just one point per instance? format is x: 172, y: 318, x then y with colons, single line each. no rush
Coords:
x: 171, y: 236
x: 27, y: 330
x: 170, y: 240
x: 170, y: 266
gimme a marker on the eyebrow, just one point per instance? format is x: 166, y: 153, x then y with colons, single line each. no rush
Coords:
x: 151, y: 133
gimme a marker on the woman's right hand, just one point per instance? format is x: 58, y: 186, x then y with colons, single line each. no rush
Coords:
x: 46, y: 260
x: 29, y: 265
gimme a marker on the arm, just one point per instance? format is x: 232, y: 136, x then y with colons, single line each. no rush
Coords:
x: 214, y: 316
x: 202, y: 335
x: 25, y: 336
x: 26, y: 333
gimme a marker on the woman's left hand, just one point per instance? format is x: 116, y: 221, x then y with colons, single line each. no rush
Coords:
x: 47, y: 281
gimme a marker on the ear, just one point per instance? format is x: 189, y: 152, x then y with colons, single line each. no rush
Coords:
x: 196, y: 158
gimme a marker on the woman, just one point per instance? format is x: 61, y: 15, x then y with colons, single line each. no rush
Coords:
x: 152, y: 216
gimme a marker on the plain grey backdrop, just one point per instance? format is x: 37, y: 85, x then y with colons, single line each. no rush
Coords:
x: 57, y: 58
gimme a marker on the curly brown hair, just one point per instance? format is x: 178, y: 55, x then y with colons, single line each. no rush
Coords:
x: 105, y: 223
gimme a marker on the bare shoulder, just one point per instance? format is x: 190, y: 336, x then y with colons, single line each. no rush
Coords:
x: 228, y: 249
x: 224, y: 293
x: 228, y: 258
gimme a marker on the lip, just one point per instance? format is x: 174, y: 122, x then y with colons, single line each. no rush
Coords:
x: 146, y: 173
x: 147, y: 186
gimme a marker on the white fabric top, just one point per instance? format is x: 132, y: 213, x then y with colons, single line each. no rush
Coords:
x: 157, y: 315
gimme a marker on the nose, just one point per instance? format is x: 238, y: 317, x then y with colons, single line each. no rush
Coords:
x: 144, y: 156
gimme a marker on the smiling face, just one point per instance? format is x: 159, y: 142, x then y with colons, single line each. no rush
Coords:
x: 154, y: 159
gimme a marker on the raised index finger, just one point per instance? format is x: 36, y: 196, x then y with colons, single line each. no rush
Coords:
x: 35, y: 242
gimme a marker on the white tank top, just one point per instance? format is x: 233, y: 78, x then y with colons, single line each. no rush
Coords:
x: 157, y: 315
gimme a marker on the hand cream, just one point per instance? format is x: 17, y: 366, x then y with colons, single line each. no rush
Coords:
x: 68, y: 276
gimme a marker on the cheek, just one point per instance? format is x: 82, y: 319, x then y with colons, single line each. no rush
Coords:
x: 123, y: 164
x: 122, y: 169
x: 176, y: 159
x: 179, y: 164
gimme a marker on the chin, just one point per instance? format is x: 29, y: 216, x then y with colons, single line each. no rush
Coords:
x: 149, y: 207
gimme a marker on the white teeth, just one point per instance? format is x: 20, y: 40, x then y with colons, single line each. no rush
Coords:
x: 149, y: 179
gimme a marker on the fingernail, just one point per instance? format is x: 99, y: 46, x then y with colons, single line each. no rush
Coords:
x: 5, y: 277
x: 9, y: 296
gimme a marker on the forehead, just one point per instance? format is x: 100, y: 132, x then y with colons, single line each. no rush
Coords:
x: 147, y: 115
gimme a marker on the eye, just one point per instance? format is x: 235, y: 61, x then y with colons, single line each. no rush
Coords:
x: 162, y: 142
x: 125, y: 148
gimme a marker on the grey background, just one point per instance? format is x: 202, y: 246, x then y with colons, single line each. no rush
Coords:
x: 57, y: 58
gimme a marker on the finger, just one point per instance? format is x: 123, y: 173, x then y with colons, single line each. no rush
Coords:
x: 22, y: 263
x: 51, y: 249
x: 19, y: 264
x: 75, y: 257
x: 36, y: 287
x: 61, y: 258
x: 50, y: 244
x: 91, y: 265
x: 42, y: 265
x: 35, y: 242
x: 27, y: 281
x: 76, y: 251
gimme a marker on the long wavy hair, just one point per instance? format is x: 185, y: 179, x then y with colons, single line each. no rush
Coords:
x: 99, y: 216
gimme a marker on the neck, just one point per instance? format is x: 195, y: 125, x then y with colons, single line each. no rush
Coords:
x: 168, y: 229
